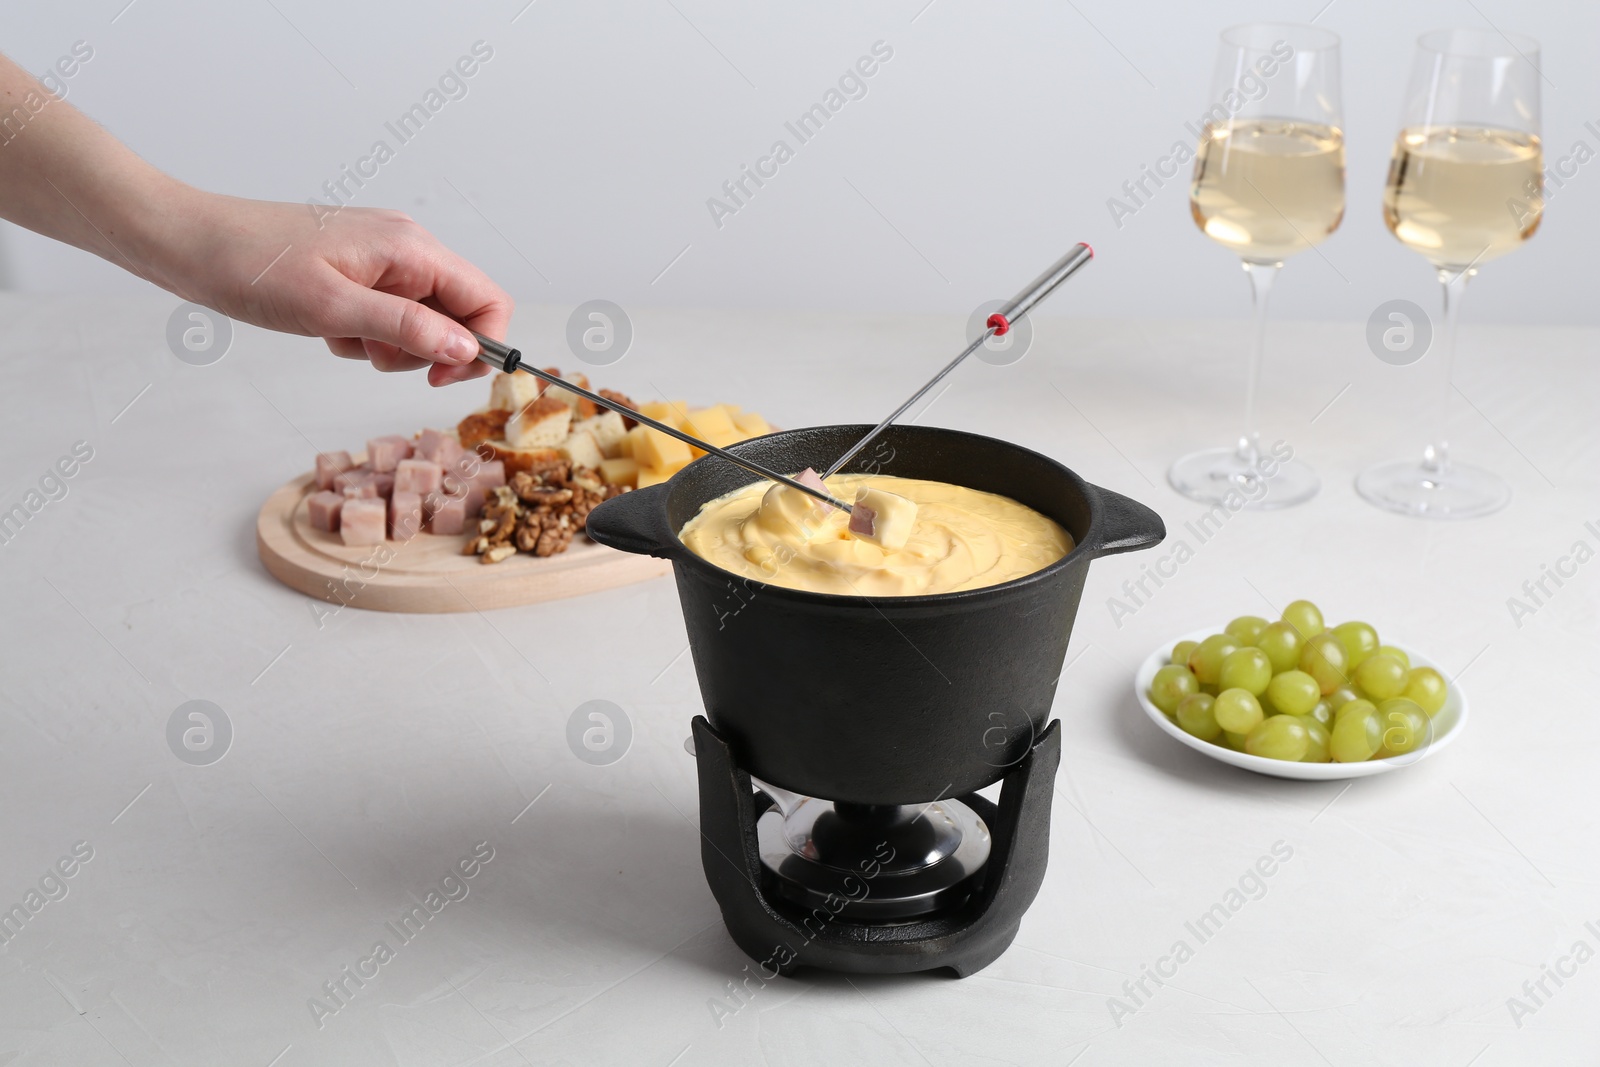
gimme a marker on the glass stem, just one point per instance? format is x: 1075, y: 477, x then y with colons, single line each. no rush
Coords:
x: 1261, y: 276
x: 1436, y: 456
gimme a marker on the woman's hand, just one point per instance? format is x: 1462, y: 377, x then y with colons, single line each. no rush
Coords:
x: 371, y: 282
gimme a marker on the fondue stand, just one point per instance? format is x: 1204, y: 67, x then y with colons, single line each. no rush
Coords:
x: 883, y: 877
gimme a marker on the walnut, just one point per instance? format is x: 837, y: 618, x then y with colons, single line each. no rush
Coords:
x: 552, y: 540
x: 498, y: 553
x: 612, y: 394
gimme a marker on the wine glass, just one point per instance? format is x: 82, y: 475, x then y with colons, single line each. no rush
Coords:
x: 1466, y: 185
x: 1268, y: 182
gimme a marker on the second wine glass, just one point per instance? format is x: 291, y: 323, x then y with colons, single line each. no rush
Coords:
x: 1268, y: 183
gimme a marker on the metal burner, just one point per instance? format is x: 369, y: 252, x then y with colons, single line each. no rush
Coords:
x: 889, y: 862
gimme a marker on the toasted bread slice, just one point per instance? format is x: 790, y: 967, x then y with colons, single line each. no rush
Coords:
x: 518, y: 460
x: 513, y: 392
x: 582, y: 408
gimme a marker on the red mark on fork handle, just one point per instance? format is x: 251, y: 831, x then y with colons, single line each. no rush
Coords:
x: 997, y: 322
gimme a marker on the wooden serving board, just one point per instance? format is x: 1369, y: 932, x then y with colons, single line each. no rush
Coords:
x: 428, y: 573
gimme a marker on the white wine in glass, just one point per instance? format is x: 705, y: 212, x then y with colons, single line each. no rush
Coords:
x: 1466, y: 185
x: 1268, y: 183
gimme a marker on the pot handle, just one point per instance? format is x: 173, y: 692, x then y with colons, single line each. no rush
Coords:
x: 1124, y: 525
x: 634, y: 522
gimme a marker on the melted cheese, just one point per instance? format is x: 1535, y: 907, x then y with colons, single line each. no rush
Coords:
x: 962, y: 539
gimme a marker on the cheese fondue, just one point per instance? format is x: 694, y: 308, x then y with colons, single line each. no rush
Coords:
x: 961, y: 539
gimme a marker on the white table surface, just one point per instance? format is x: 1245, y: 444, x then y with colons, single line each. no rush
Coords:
x: 372, y: 753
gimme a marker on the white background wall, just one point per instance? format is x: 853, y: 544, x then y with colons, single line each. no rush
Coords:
x: 588, y: 146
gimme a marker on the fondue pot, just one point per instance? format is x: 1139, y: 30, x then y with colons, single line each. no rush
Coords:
x: 880, y: 705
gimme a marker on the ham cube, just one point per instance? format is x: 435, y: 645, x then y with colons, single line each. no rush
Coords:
x: 420, y: 476
x: 812, y: 480
x: 439, y: 446
x: 448, y: 515
x: 384, y: 483
x: 356, y: 483
x: 362, y: 521
x: 405, y: 515
x: 385, y: 453
x: 323, y: 510
x: 490, y: 475
x: 330, y: 465
x: 882, y: 519
x: 474, y: 500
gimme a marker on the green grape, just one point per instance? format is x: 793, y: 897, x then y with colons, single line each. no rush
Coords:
x: 1322, y: 713
x: 1356, y: 735
x: 1246, y: 628
x: 1294, y: 692
x: 1181, y: 652
x: 1405, y: 727
x: 1359, y: 641
x: 1281, y: 642
x: 1246, y: 668
x: 1323, y: 658
x: 1427, y: 688
x: 1381, y: 676
x: 1359, y: 704
x: 1195, y: 717
x: 1317, y: 739
x: 1237, y: 711
x: 1305, y: 617
x: 1342, y: 696
x: 1397, y: 653
x: 1281, y: 737
x: 1210, y: 690
x: 1206, y: 659
x: 1233, y: 741
x: 1170, y: 685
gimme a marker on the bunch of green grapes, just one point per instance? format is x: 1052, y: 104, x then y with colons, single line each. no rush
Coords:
x: 1296, y: 690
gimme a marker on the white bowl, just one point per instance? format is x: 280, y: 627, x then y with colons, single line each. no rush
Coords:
x: 1447, y: 726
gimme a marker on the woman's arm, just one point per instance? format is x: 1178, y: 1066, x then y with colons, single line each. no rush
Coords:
x: 355, y: 279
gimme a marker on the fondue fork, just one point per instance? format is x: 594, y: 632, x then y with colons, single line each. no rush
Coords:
x: 997, y: 325
x: 505, y: 358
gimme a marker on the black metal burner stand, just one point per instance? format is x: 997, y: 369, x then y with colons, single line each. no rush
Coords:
x: 781, y: 937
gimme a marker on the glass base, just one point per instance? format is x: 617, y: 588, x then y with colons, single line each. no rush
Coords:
x: 1409, y: 488
x: 1265, y: 485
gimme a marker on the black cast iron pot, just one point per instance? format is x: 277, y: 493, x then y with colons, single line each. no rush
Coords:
x: 880, y: 700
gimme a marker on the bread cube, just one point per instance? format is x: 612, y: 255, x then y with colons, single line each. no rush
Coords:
x: 330, y: 465
x: 543, y: 423
x: 656, y: 449
x: 363, y: 520
x: 581, y: 450
x: 582, y: 407
x: 608, y: 431
x: 385, y: 453
x: 405, y: 515
x: 513, y: 392
x: 622, y: 470
x: 323, y: 510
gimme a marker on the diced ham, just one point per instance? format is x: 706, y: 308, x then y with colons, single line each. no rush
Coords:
x: 883, y: 519
x: 473, y: 501
x: 448, y: 515
x: 439, y: 446
x: 330, y: 465
x: 323, y: 510
x: 812, y: 479
x: 418, y: 476
x: 490, y: 475
x: 405, y: 515
x: 385, y: 484
x: 356, y: 483
x: 362, y: 521
x: 385, y: 453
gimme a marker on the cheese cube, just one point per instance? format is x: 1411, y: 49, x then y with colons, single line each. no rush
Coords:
x: 649, y: 476
x: 656, y: 449
x: 670, y: 412
x: 709, y: 424
x: 629, y: 439
x: 882, y: 519
x: 750, y: 424
x: 620, y: 471
x: 580, y: 448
